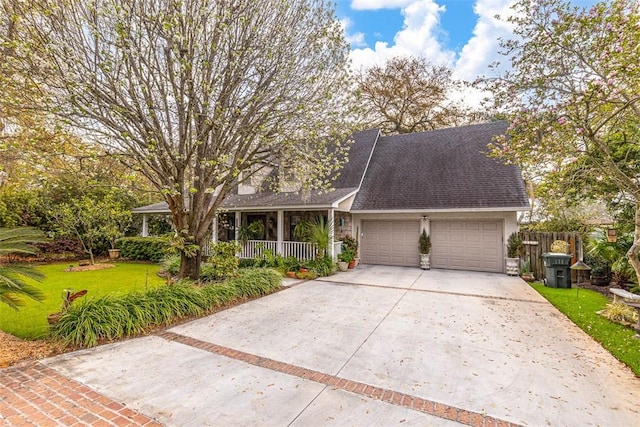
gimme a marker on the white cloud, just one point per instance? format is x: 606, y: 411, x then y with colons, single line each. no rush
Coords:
x: 378, y: 4
x: 482, y: 48
x: 418, y: 37
x: 355, y: 39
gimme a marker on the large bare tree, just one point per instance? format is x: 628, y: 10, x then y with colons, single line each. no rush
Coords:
x: 409, y: 94
x: 197, y: 94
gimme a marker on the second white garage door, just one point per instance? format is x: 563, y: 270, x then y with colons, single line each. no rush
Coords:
x: 467, y: 245
x: 390, y: 243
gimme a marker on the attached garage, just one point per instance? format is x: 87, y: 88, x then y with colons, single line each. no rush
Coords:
x: 467, y: 245
x: 390, y: 243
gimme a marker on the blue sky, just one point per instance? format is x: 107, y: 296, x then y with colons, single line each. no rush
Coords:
x: 383, y: 24
x: 462, y: 34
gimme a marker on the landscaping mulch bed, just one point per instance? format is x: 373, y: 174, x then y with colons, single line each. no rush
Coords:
x: 14, y: 349
x: 604, y: 290
x: 73, y: 268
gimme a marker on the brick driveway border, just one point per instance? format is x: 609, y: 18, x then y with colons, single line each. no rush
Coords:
x: 32, y: 394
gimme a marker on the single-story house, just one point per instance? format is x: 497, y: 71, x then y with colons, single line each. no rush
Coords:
x: 391, y: 188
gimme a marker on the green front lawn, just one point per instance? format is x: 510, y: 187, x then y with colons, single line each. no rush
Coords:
x: 30, y: 321
x: 581, y: 307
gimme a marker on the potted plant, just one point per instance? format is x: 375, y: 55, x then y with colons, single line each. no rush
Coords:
x: 349, y: 242
x: 424, y: 247
x: 600, y: 269
x: 252, y: 231
x: 344, y: 259
x: 514, y: 251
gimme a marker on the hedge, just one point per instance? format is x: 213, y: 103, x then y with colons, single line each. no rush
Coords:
x: 143, y: 248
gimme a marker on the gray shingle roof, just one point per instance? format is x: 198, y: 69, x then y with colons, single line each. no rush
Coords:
x: 359, y: 154
x: 441, y: 169
x: 347, y: 181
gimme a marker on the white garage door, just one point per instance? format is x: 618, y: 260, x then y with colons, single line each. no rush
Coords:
x: 467, y: 245
x: 390, y: 243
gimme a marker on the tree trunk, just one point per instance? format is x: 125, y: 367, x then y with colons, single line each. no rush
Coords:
x: 190, y: 266
x: 634, y: 250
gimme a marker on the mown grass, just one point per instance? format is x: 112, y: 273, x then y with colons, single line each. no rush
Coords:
x: 30, y: 321
x: 582, y: 307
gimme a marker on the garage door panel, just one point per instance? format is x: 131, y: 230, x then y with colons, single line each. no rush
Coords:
x: 472, y: 226
x: 390, y: 243
x: 467, y: 245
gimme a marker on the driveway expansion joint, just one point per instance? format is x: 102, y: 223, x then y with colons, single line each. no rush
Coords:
x: 435, y: 291
x: 437, y: 409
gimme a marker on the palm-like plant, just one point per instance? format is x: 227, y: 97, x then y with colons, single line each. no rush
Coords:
x: 316, y: 231
x: 614, y: 254
x: 12, y: 284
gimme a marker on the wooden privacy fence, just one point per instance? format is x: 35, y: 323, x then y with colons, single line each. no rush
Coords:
x: 536, y: 244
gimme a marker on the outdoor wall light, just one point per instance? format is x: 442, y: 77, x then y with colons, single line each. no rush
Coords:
x: 425, y: 217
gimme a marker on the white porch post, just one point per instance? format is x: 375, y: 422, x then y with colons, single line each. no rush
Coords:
x: 238, y: 220
x: 331, y: 220
x: 145, y: 226
x: 214, y: 234
x: 280, y: 232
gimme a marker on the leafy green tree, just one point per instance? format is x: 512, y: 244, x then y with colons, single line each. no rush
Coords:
x: 197, y: 95
x: 12, y: 284
x: 94, y: 220
x: 573, y: 94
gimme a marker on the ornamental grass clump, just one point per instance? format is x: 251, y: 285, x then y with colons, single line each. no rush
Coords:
x: 85, y: 324
x: 255, y: 282
x: 619, y: 312
x: 219, y: 294
x: 112, y: 317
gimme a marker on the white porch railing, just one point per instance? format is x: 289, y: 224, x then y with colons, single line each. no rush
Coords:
x: 253, y: 247
x: 302, y: 251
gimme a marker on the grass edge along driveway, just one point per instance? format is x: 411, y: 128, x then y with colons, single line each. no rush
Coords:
x: 581, y: 307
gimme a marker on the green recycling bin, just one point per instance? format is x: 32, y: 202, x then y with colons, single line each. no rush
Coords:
x: 557, y: 269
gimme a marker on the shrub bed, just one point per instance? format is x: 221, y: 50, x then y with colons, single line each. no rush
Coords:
x: 113, y: 317
x: 221, y: 264
x: 143, y: 248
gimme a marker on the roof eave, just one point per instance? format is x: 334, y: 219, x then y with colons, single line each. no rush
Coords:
x: 150, y: 211
x: 453, y: 210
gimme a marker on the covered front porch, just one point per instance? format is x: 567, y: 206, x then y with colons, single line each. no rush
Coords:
x: 274, y: 230
x: 267, y: 221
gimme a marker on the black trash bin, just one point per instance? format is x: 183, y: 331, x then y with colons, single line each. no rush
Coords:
x: 557, y: 269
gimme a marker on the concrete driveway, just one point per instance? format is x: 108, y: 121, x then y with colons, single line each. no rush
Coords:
x: 373, y: 346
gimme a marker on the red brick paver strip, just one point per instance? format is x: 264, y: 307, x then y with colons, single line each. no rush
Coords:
x: 33, y: 394
x: 414, y: 403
